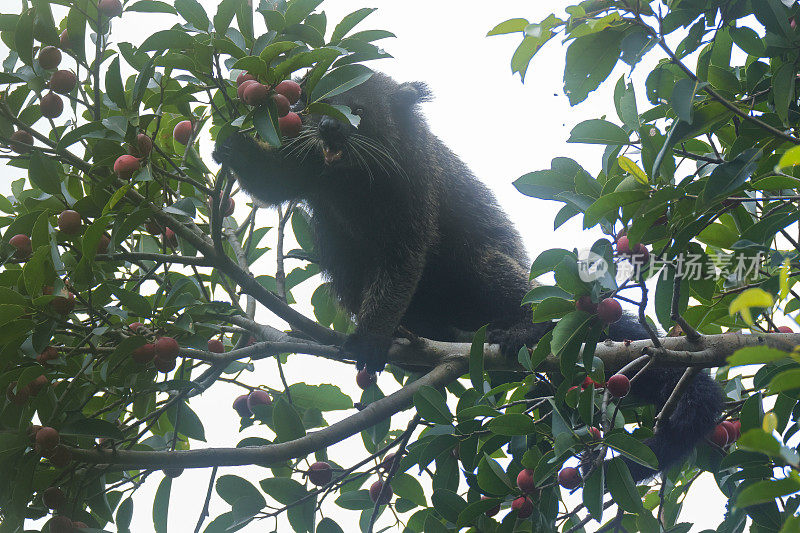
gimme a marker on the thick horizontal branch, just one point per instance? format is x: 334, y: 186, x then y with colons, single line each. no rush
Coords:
x: 709, y: 351
x: 274, y: 453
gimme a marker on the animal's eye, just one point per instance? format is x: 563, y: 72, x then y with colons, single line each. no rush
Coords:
x: 359, y: 111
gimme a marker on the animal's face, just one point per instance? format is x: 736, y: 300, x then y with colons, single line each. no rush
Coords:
x: 384, y: 109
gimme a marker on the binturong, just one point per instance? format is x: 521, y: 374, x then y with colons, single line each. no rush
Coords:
x: 408, y: 236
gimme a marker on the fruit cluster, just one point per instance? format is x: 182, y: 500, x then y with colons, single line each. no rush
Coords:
x: 285, y: 94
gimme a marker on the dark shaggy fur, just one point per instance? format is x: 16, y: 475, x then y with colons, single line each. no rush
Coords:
x: 408, y: 236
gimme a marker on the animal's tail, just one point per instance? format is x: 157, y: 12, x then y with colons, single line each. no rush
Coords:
x: 696, y: 414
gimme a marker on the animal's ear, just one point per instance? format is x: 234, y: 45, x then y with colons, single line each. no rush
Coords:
x: 411, y: 93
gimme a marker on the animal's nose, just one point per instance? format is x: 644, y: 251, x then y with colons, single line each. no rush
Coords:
x: 331, y: 130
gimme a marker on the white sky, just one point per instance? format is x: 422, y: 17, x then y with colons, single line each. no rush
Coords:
x: 500, y: 127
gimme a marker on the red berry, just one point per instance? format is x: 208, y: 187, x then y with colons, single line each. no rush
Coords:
x: 51, y: 105
x: 618, y: 385
x: 243, y: 77
x: 494, y: 510
x: 282, y: 103
x: 290, y: 125
x: 585, y: 304
x: 609, y: 310
x: 23, y: 138
x: 587, y: 382
x: 23, y: 245
x: 63, y: 305
x: 37, y: 384
x: 164, y: 365
x: 135, y: 326
x: 63, y: 81
x: 53, y: 497
x: 49, y: 57
x: 258, y: 397
x: 375, y: 491
x: 69, y: 222
x: 167, y: 348
x: 144, y: 145
x: 60, y: 457
x: 569, y: 478
x: 240, y: 406
x: 255, y: 94
x: 60, y: 524
x: 170, y: 239
x: 110, y: 8
x: 102, y: 244
x: 320, y: 473
x: 80, y: 525
x: 386, y: 464
x: 144, y: 354
x: 731, y: 429
x: 525, y: 480
x: 595, y: 434
x: 523, y: 506
x: 785, y: 329
x: 65, y: 43
x: 623, y: 245
x: 216, y: 346
x: 737, y: 429
x: 183, y: 131
x: 719, y: 436
x: 365, y: 379
x: 641, y: 254
x: 226, y: 212
x: 126, y: 165
x: 290, y: 89
x: 47, y: 438
x: 242, y: 86
x: 50, y: 353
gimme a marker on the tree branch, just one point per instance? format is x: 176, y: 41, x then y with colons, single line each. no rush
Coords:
x: 273, y: 453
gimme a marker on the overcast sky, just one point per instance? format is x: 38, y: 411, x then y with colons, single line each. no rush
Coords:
x: 500, y: 127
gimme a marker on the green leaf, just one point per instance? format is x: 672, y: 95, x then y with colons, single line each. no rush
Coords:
x: 608, y: 205
x: 298, y: 10
x: 193, y: 12
x: 151, y: 6
x: 45, y: 173
x: 768, y: 490
x: 327, y: 525
x: 620, y: 484
x: 542, y: 292
x: 288, y: 425
x: 633, y: 449
x: 406, y: 486
x: 492, y: 478
x: 597, y: 131
x: 783, y: 82
x: 682, y: 99
x: 447, y: 503
x: 758, y: 440
x: 266, y: 123
x: 225, y: 12
x: 731, y: 175
x: 785, y: 381
x: 284, y: 490
x: 124, y: 515
x: 91, y: 427
x: 114, y: 88
x: 476, y: 359
x: 509, y: 26
x: 323, y: 397
x: 471, y: 512
x: 512, y: 424
x: 755, y: 355
x: 232, y: 488
x: 593, y: 493
x: 161, y: 505
x: 340, y: 80
x: 271, y: 51
x: 431, y: 405
x: 748, y: 40
x: 355, y: 500
x: 349, y: 22
x: 187, y: 423
x: 23, y: 37
x: 590, y: 59
x: 167, y: 39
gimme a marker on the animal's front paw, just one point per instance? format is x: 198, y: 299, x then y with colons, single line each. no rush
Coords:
x: 368, y: 349
x: 513, y: 338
